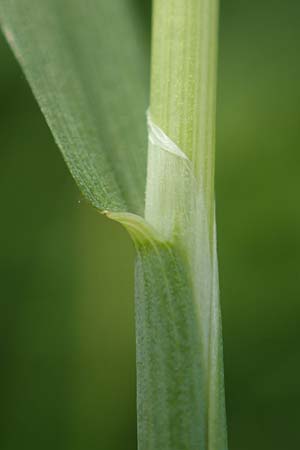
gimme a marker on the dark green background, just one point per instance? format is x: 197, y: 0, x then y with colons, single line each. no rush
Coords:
x: 67, y: 375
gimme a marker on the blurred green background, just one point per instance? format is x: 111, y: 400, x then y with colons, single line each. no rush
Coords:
x: 67, y: 373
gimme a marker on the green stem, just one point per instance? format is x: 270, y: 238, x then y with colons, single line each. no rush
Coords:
x: 180, y: 386
x: 183, y: 82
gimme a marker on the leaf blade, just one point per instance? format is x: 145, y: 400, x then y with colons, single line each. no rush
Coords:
x: 87, y: 66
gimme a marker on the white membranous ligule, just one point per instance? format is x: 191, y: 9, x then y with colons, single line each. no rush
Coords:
x: 157, y: 137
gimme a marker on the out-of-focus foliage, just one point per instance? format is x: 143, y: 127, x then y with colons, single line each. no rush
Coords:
x: 258, y: 216
x: 66, y: 328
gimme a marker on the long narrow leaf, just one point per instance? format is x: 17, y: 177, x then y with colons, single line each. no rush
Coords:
x: 87, y: 64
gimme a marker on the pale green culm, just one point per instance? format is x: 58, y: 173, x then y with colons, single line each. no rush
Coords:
x: 87, y: 64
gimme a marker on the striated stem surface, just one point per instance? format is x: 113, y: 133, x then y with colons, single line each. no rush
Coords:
x: 179, y: 342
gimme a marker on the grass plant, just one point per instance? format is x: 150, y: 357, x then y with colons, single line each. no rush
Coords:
x: 88, y: 71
